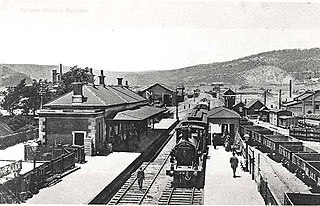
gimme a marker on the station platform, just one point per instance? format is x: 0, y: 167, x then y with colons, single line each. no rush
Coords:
x: 220, y: 186
x: 81, y: 186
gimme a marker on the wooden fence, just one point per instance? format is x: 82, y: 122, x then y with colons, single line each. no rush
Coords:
x: 46, y: 153
x: 20, y: 188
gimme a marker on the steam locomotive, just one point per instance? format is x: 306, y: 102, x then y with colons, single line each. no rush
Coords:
x: 188, y: 157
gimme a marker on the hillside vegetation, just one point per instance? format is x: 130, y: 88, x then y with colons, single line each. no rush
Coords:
x: 273, y: 67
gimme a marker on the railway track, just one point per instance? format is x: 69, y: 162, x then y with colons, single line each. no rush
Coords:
x: 129, y: 193
x: 181, y: 196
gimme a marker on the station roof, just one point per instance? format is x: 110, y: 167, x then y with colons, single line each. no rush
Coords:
x: 99, y: 95
x: 139, y: 114
x: 222, y: 112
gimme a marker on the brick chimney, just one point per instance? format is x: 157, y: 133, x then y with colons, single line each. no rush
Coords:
x: 101, y: 79
x: 91, y: 77
x: 77, y: 96
x: 120, y: 81
x: 54, y: 76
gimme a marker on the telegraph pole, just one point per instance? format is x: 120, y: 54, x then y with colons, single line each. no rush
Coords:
x: 177, y: 104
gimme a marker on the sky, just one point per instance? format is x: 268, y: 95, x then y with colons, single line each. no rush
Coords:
x: 137, y: 35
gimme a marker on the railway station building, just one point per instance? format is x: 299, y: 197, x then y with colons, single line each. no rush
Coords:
x: 95, y: 116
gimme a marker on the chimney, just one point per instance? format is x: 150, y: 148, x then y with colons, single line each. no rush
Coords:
x: 127, y: 84
x: 265, y: 98
x: 54, y: 76
x: 280, y: 99
x: 290, y: 88
x: 119, y: 81
x: 101, y: 79
x: 77, y: 96
x: 60, y: 72
x: 91, y: 77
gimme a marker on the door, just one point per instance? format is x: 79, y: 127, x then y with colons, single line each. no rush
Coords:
x: 78, y: 138
x: 166, y: 99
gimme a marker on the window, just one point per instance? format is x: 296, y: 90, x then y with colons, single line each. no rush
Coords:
x: 240, y: 109
x: 78, y: 137
x: 317, y: 106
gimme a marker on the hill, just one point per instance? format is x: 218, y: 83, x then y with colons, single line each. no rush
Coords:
x: 35, y: 71
x: 9, y: 77
x: 273, y: 67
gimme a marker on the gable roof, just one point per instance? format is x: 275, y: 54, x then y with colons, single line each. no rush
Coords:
x: 238, y: 104
x: 161, y: 85
x: 229, y: 92
x: 223, y: 112
x: 99, y: 95
x: 252, y: 102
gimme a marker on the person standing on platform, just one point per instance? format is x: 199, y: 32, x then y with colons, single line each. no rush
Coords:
x: 234, y: 163
x: 214, y: 141
x: 140, y: 176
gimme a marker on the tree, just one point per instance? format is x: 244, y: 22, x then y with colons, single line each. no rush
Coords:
x: 13, y: 96
x: 76, y: 74
x: 26, y: 98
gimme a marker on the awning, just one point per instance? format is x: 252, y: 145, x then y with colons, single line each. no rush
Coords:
x: 139, y: 114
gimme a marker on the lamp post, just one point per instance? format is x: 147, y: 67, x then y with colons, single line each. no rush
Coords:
x: 34, y: 147
x: 246, y: 139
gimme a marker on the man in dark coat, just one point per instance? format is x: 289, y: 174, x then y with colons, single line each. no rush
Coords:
x: 140, y: 177
x: 234, y: 163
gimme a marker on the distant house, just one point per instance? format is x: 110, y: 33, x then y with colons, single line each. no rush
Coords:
x: 229, y: 98
x: 239, y: 108
x: 282, y: 118
x: 264, y: 114
x: 94, y: 116
x: 159, y: 93
x: 306, y: 103
x: 253, y: 107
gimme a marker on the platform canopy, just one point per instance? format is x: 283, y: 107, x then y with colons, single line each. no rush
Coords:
x: 223, y: 113
x: 139, y: 114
